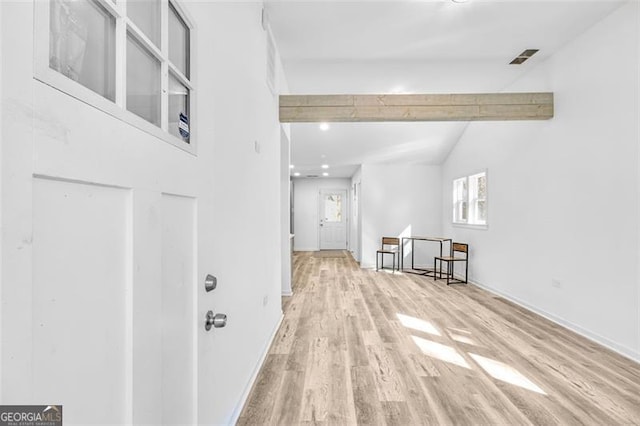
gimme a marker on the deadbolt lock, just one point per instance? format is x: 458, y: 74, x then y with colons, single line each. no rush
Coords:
x: 210, y: 283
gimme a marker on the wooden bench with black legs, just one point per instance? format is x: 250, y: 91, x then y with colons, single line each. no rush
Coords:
x: 389, y: 242
x: 451, y: 261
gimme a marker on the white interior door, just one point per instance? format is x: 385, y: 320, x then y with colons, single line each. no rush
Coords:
x: 113, y: 301
x: 102, y: 266
x: 333, y: 219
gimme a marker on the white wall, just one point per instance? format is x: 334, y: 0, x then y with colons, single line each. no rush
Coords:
x: 305, y: 213
x: 285, y: 230
x: 400, y: 200
x: 237, y: 108
x: 563, y: 193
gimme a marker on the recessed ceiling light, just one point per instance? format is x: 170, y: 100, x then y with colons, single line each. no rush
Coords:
x: 325, y: 166
x: 398, y: 90
x: 325, y: 174
x: 324, y: 126
x: 291, y: 166
x: 296, y: 174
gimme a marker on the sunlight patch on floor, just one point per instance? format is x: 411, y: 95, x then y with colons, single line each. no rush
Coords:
x: 501, y: 371
x: 462, y: 339
x: 459, y: 330
x: 440, y: 351
x: 418, y: 324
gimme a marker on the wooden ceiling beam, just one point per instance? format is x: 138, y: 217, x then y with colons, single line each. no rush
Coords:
x: 439, y: 107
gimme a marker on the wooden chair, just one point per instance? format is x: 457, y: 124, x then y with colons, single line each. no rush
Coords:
x: 451, y: 261
x: 389, y: 242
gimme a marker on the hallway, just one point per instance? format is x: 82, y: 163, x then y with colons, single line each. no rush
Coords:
x: 357, y: 346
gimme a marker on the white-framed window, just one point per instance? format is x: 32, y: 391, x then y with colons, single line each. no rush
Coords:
x: 470, y: 200
x: 128, y: 58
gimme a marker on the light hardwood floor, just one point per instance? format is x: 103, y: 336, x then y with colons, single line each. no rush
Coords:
x: 360, y: 347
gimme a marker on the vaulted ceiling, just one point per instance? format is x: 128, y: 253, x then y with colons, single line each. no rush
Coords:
x: 438, y: 46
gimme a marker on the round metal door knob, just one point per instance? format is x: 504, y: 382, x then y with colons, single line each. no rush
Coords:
x: 215, y: 320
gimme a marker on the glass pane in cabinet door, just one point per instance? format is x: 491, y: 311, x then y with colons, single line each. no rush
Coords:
x: 145, y: 14
x: 179, y: 119
x: 333, y: 208
x: 82, y: 44
x: 178, y: 42
x: 143, y: 82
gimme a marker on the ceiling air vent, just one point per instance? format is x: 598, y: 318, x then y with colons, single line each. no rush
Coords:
x: 312, y: 176
x: 523, y: 56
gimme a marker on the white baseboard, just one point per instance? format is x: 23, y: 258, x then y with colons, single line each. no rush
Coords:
x: 238, y: 410
x: 595, y: 337
x: 287, y: 293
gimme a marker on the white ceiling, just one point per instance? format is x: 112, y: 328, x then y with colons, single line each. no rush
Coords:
x: 437, y: 46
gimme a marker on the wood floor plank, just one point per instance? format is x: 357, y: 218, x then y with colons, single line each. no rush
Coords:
x: 360, y: 347
x: 364, y: 316
x: 288, y: 405
x: 355, y: 344
x: 367, y: 405
x: 315, y: 405
x: 298, y: 356
x: 341, y: 405
x: 285, y: 337
x: 387, y: 383
x: 397, y: 413
x: 497, y: 413
x: 419, y: 408
x: 377, y: 315
x: 371, y: 338
x: 259, y: 410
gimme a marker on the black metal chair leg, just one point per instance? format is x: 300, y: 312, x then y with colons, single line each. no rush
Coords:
x: 435, y: 277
